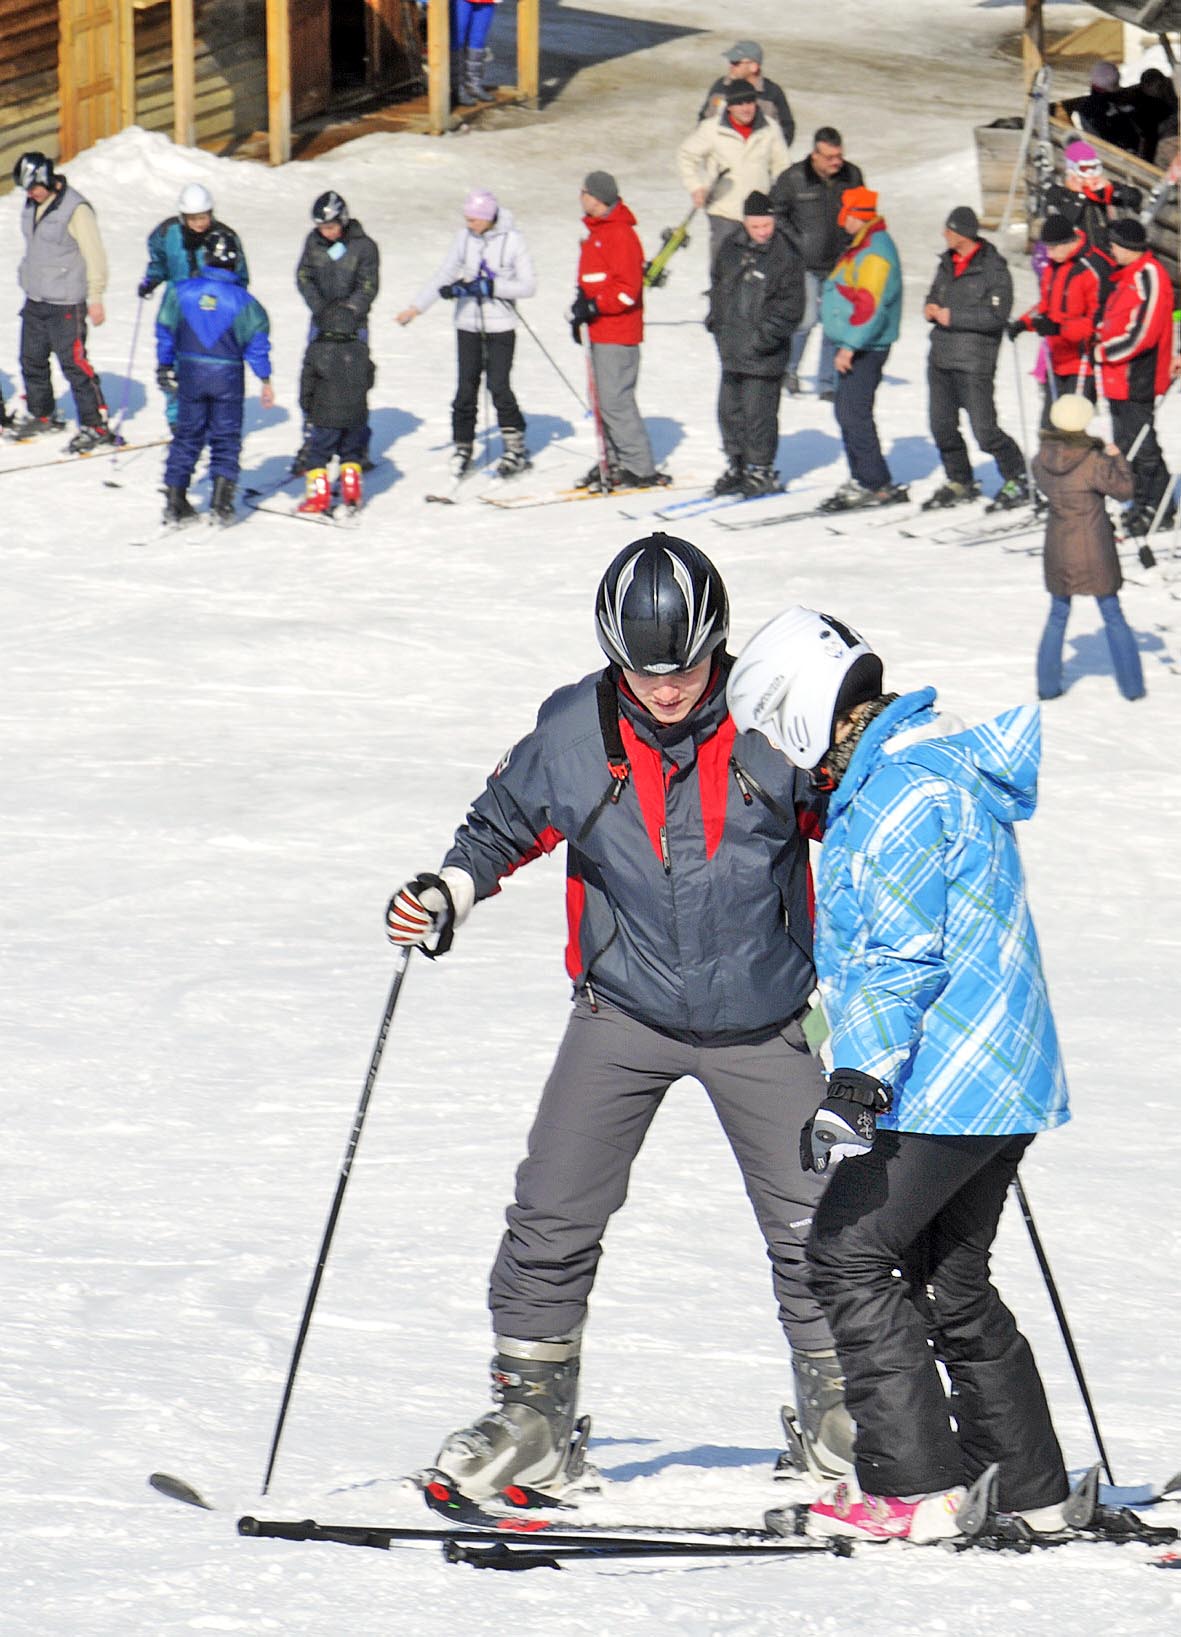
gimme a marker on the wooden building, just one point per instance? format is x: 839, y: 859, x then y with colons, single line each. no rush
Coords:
x: 228, y: 75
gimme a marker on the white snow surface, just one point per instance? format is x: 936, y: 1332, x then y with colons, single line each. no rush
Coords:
x: 224, y: 751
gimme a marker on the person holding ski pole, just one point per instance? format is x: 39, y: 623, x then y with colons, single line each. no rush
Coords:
x: 1073, y: 284
x: 609, y: 306
x: 690, y: 954
x: 946, y: 1066
x: 486, y: 271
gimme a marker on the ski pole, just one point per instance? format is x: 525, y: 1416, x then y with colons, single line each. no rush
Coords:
x: 592, y: 387
x: 342, y: 1181
x: 1024, y: 423
x: 110, y: 481
x: 1060, y: 1314
x: 529, y: 330
x: 484, y: 371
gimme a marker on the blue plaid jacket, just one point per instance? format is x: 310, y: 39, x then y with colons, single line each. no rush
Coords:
x: 925, y: 949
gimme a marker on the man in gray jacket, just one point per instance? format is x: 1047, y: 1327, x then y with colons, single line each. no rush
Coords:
x: 690, y: 954
x: 63, y: 274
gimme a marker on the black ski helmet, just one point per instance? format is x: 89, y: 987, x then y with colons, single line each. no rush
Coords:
x: 330, y: 207
x: 221, y: 249
x: 33, y: 170
x: 661, y: 606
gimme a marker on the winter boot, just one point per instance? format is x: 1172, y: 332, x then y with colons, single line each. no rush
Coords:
x: 221, y: 506
x: 461, y: 460
x: 826, y: 1432
x: 1011, y: 494
x: 26, y: 427
x: 641, y: 480
x: 761, y: 480
x: 350, y: 484
x: 791, y: 384
x: 472, y: 87
x: 318, y: 497
x: 730, y: 482
x: 952, y: 493
x: 527, y: 1439
x: 88, y: 438
x: 593, y: 481
x: 849, y: 497
x: 176, y: 507
x: 515, y: 457
x: 844, y: 1509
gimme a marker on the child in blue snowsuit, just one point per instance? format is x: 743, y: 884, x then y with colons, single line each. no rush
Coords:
x: 208, y: 328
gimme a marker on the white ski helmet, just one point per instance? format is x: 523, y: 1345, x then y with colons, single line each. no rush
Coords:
x: 195, y: 200
x: 796, y: 675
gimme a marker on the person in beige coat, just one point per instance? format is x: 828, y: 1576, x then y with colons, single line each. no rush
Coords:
x: 1076, y: 472
x: 727, y: 157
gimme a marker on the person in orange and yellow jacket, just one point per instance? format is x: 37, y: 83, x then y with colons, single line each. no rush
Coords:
x: 1133, y: 358
x: 609, y: 304
x: 861, y: 312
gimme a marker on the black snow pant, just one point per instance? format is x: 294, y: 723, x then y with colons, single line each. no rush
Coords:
x: 748, y: 416
x: 1056, y: 385
x: 856, y: 390
x: 929, y: 1206
x: 48, y: 329
x: 1148, y: 468
x: 491, y: 355
x: 608, y: 1080
x: 949, y: 391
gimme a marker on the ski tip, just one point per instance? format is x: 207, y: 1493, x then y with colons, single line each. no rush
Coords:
x: 164, y: 1483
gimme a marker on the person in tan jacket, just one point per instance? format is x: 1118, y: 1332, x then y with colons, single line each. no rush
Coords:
x: 1076, y: 472
x: 725, y: 158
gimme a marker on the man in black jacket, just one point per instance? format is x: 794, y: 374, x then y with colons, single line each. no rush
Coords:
x: 756, y: 299
x: 745, y: 58
x: 338, y: 276
x: 968, y: 307
x: 806, y: 199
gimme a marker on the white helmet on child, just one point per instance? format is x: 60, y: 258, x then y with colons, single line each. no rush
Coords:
x: 195, y: 200
x: 795, y: 676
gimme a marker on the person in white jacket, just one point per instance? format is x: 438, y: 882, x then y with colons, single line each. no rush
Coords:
x: 727, y: 157
x: 486, y: 271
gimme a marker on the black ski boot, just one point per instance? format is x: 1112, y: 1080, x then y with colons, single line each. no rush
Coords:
x: 89, y: 438
x: 515, y: 457
x: 176, y: 507
x: 461, y: 460
x: 530, y: 1437
x: 24, y: 428
x: 825, y: 1430
x: 952, y: 493
x: 221, y: 506
x: 730, y: 482
x: 1011, y: 494
x: 761, y: 480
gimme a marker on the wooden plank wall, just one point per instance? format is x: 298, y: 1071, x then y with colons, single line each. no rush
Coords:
x: 28, y: 81
x: 231, y: 70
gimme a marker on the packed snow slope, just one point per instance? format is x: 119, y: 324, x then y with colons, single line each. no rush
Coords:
x: 224, y: 751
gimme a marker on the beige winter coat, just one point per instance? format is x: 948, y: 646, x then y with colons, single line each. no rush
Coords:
x: 1074, y: 474
x: 752, y: 162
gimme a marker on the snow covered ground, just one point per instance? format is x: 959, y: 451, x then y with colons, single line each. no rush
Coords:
x: 223, y: 752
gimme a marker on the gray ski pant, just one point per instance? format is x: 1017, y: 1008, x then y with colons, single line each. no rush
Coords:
x: 617, y: 369
x: 607, y: 1082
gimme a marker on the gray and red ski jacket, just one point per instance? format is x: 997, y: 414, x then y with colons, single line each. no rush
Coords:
x: 687, y: 882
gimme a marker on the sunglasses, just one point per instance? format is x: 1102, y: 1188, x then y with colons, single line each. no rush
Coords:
x: 1090, y: 167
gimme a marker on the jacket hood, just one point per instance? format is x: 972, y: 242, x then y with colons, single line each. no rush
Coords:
x: 1061, y: 452
x: 996, y: 762
x: 618, y: 216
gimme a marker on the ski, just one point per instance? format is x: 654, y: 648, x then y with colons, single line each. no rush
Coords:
x: 560, y: 496
x: 812, y: 513
x: 710, y: 503
x: 339, y: 517
x: 90, y: 454
x: 978, y: 533
x: 176, y: 1489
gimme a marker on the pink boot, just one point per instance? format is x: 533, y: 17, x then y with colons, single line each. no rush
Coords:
x: 844, y: 1510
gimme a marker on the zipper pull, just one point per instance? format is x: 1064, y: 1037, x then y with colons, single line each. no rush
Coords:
x: 742, y: 784
x: 591, y: 996
x: 665, y: 858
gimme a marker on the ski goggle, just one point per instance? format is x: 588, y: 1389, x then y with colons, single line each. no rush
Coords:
x: 1089, y: 167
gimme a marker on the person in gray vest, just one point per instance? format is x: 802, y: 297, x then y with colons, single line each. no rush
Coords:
x: 63, y: 274
x: 690, y: 953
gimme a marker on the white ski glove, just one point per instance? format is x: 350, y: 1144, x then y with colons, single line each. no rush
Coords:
x: 425, y: 912
x: 845, y: 1124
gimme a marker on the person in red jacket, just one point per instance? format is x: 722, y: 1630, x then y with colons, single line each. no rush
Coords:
x: 610, y: 305
x: 1133, y: 357
x: 1066, y: 314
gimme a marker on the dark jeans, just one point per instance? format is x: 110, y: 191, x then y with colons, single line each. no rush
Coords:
x: 1121, y: 644
x: 929, y: 1206
x: 322, y: 442
x: 48, y: 330
x: 1056, y: 385
x: 1148, y: 468
x: 207, y: 413
x: 854, y: 412
x: 490, y: 355
x: 748, y: 416
x: 952, y: 390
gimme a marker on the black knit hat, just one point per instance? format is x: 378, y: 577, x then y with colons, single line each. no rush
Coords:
x: 757, y: 204
x: 1057, y: 230
x: 964, y: 221
x: 1128, y: 233
x: 740, y: 91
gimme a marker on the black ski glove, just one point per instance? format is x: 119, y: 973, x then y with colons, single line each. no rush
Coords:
x: 1015, y: 327
x: 1045, y: 325
x: 584, y: 311
x: 145, y: 287
x: 845, y: 1124
x: 422, y: 910
x: 452, y: 292
x: 1126, y: 197
x: 166, y: 380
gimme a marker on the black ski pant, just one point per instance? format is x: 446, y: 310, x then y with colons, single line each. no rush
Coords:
x: 952, y: 391
x: 491, y: 355
x: 608, y: 1080
x: 748, y: 416
x: 1056, y: 385
x: 928, y: 1206
x: 856, y: 390
x: 49, y: 330
x: 1128, y: 417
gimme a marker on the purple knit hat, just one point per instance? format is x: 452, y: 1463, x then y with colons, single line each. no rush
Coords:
x: 1079, y: 153
x: 481, y: 204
